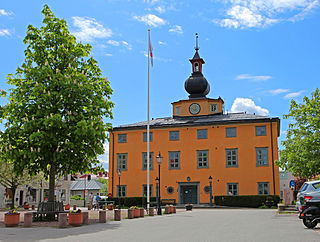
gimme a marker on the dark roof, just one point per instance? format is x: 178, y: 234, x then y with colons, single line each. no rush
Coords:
x: 88, y: 185
x: 213, y: 119
x: 196, y: 56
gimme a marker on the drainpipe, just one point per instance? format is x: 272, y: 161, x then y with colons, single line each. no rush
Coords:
x: 272, y: 157
x: 112, y: 163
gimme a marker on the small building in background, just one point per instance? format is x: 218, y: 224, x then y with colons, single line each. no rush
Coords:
x: 285, y: 179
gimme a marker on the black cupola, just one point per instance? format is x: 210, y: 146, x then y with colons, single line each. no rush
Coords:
x: 197, y: 85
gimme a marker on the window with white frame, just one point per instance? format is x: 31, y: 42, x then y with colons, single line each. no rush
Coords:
x: 203, y: 158
x: 174, y: 159
x: 173, y: 135
x: 122, y: 161
x: 121, y: 190
x: 178, y: 110
x: 262, y: 156
x: 233, y: 189
x: 231, y: 157
x: 263, y: 188
x: 144, y: 160
x: 213, y: 108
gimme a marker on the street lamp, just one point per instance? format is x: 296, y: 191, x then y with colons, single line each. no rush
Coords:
x: 210, y: 182
x: 119, y: 174
x: 159, y: 160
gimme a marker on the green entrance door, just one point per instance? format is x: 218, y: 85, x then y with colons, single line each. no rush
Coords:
x: 189, y: 194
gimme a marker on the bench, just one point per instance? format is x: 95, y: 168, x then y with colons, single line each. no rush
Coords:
x: 168, y: 202
x: 48, y: 211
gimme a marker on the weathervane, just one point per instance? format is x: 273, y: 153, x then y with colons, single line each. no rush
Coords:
x: 197, y: 47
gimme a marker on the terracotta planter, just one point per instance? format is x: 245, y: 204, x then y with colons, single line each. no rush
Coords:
x: 12, y: 220
x: 141, y: 212
x: 26, y: 206
x: 170, y: 209
x: 136, y: 212
x: 166, y: 210
x: 67, y: 207
x: 75, y: 219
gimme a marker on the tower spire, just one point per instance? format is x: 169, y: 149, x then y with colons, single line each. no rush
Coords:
x: 197, y: 46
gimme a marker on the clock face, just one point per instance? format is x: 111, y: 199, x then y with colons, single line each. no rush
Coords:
x: 194, y: 108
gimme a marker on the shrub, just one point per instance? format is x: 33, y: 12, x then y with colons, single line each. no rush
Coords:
x: 251, y: 201
x: 76, y: 197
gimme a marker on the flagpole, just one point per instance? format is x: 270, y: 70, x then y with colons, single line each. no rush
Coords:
x: 148, y: 128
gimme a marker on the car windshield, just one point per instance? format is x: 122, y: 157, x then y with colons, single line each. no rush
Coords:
x: 316, y: 185
x: 304, y: 187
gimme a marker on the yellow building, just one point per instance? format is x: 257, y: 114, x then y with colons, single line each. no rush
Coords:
x: 199, y: 141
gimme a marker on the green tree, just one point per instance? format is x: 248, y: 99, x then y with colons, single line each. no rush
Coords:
x: 104, y: 188
x: 54, y: 118
x: 301, y: 153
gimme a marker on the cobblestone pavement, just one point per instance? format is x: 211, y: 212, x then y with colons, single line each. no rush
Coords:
x: 198, y: 225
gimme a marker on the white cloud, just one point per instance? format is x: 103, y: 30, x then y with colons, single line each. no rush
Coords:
x: 252, y: 78
x: 262, y: 13
x: 90, y: 29
x: 5, y: 13
x: 293, y: 94
x: 278, y: 91
x: 4, y: 32
x: 162, y: 43
x: 248, y: 105
x: 113, y: 42
x: 176, y: 29
x: 160, y: 9
x: 108, y: 54
x: 151, y: 20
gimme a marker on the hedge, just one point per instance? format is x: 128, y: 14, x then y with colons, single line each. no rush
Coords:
x: 250, y: 201
x: 132, y: 201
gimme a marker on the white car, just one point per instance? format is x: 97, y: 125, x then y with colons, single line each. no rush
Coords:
x: 308, y: 191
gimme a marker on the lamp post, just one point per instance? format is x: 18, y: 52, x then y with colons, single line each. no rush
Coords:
x: 210, y: 182
x: 119, y: 174
x: 159, y: 160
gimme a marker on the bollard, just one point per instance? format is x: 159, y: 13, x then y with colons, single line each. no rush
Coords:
x: 62, y: 220
x: 27, y: 220
x: 141, y: 212
x: 117, y: 215
x: 85, y: 218
x: 151, y: 211
x: 130, y: 213
x: 74, y: 207
x: 103, y: 216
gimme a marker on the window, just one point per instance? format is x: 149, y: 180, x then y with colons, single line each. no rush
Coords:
x: 121, y: 191
x: 122, y: 161
x: 202, y: 133
x: 213, y: 108
x: 144, y: 161
x: 262, y: 156
x: 203, y: 158
x: 196, y: 67
x: 233, y: 189
x: 231, y: 132
x: 261, y: 131
x: 122, y: 138
x: 316, y: 185
x: 144, y: 190
x: 178, y: 110
x: 145, y: 136
x: 174, y: 135
x: 231, y: 157
x: 174, y: 159
x: 170, y: 190
x: 263, y: 188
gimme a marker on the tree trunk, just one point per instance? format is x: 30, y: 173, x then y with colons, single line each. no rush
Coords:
x: 52, y: 178
x: 13, y: 191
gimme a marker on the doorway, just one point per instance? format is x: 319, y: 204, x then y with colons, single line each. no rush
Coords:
x: 189, y: 194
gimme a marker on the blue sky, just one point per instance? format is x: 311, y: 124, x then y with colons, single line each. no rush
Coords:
x: 259, y: 54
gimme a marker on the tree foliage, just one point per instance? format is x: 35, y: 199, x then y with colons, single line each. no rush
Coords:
x: 54, y: 118
x: 301, y: 153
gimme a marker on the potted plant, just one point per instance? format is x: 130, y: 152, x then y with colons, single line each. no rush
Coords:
x: 167, y: 209
x: 67, y: 206
x: 136, y: 211
x: 26, y: 206
x: 75, y: 218
x: 188, y: 207
x: 110, y: 206
x: 12, y: 218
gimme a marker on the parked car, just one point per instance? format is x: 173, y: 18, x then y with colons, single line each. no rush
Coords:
x: 309, y: 190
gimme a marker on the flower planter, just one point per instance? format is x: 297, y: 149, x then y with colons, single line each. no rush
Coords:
x: 141, y: 212
x: 110, y: 206
x: 136, y: 213
x: 26, y: 206
x: 166, y: 210
x: 170, y: 209
x: 67, y: 207
x: 12, y: 220
x: 75, y: 219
